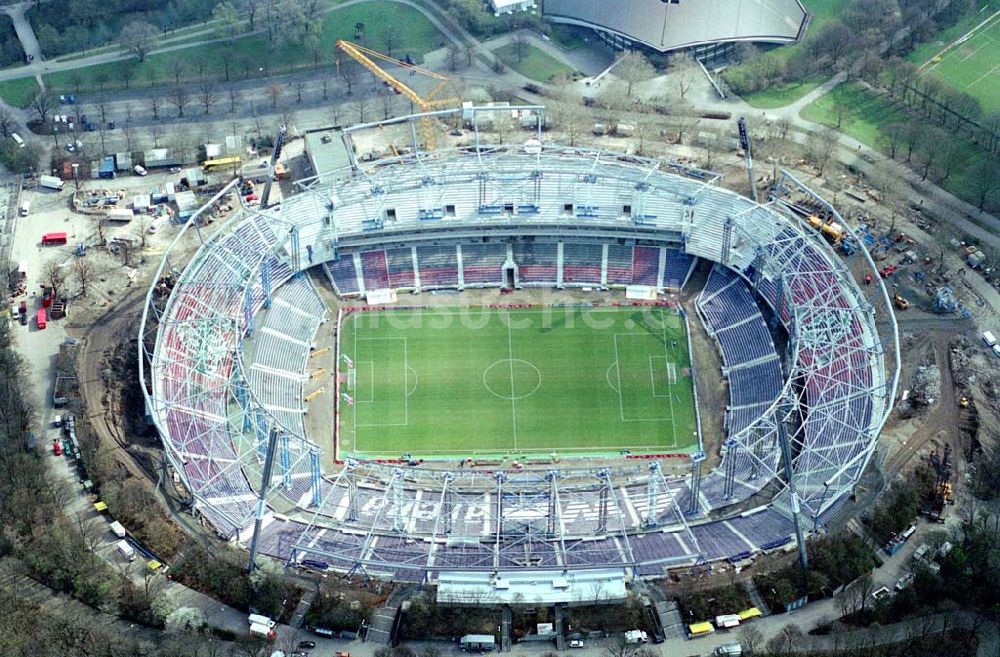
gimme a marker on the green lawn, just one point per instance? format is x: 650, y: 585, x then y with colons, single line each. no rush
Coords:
x: 973, y: 66
x: 534, y: 64
x: 383, y: 21
x: 18, y: 92
x: 782, y: 94
x: 866, y: 115
x: 456, y: 383
x: 928, y: 49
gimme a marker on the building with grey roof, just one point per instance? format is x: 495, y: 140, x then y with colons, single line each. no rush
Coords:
x: 682, y: 24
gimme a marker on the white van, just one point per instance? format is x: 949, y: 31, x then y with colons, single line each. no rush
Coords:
x: 257, y: 619
x: 17, y: 139
x: 126, y: 550
x: 25, y: 208
x: 729, y: 650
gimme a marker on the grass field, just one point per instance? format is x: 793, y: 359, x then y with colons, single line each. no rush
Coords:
x: 535, y: 63
x: 418, y: 38
x: 866, y: 116
x: 454, y: 383
x: 973, y: 66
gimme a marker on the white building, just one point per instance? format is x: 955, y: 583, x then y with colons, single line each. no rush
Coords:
x: 510, y: 6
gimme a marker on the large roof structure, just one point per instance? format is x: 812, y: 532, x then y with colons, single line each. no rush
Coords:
x: 221, y: 403
x: 666, y: 26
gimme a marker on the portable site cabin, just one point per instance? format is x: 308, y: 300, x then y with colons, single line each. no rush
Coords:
x: 727, y: 621
x: 700, y: 629
x: 477, y: 642
x: 41, y: 319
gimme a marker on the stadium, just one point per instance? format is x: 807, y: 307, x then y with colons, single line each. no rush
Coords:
x: 704, y: 25
x: 495, y: 444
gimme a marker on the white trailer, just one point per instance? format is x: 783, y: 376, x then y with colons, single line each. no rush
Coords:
x: 989, y: 339
x: 120, y: 215
x: 117, y: 529
x: 126, y: 550
x: 257, y: 619
x: 51, y: 182
x: 633, y: 637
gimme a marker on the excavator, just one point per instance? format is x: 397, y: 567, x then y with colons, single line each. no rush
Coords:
x: 427, y: 103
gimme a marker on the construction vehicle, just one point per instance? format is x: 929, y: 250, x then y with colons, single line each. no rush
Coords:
x: 963, y: 401
x: 832, y: 230
x: 941, y: 465
x: 899, y: 300
x: 426, y: 103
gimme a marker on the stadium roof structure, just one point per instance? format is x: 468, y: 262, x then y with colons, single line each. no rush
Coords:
x: 220, y: 409
x: 665, y: 26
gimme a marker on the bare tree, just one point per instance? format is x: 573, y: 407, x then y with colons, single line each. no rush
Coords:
x: 155, y: 132
x: 751, y: 639
x: 288, y: 117
x: 300, y: 86
x: 126, y: 72
x: 520, y: 43
x: 454, y: 57
x: 155, y: 102
x: 633, y: 67
x: 985, y: 180
x: 7, y: 122
x: 684, y: 73
x: 43, y: 103
x: 349, y: 72
x: 128, y: 131
x: 139, y: 229
x: 83, y: 272
x: 179, y: 98
x: 138, y: 37
x: 53, y: 274
x: 390, y: 38
x: 207, y: 95
x: 234, y: 97
x: 361, y: 108
x: 820, y: 146
x: 388, y: 99
x: 274, y: 92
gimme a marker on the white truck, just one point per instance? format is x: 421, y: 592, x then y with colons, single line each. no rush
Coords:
x: 126, y: 550
x: 117, y: 529
x: 258, y: 619
x: 51, y: 182
x: 989, y: 339
x: 729, y: 650
x: 633, y: 637
x: 263, y: 631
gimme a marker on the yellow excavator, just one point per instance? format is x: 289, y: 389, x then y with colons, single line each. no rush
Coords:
x: 427, y: 103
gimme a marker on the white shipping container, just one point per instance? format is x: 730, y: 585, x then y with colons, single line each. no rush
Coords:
x: 989, y: 338
x: 117, y: 529
x: 126, y: 550
x: 120, y: 214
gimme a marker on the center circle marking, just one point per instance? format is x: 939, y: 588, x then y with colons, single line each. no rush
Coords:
x: 497, y: 379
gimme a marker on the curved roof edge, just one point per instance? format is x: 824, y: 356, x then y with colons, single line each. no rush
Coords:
x: 664, y: 26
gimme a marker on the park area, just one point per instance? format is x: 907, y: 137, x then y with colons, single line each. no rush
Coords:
x: 452, y: 383
x: 239, y: 58
x: 532, y: 62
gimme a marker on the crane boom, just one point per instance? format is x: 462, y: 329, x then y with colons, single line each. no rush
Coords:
x: 370, y: 58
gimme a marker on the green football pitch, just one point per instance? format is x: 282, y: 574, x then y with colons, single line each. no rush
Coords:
x: 480, y: 382
x: 972, y: 63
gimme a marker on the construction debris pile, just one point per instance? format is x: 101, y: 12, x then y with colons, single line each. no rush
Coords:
x: 924, y: 391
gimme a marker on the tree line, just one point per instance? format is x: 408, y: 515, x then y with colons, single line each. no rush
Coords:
x: 859, y: 38
x: 64, y: 27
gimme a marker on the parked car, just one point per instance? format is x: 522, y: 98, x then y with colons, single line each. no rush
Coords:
x: 576, y: 643
x: 139, y: 170
x: 175, y: 169
x: 306, y: 645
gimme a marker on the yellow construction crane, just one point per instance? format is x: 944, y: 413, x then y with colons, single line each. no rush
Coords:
x: 367, y: 58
